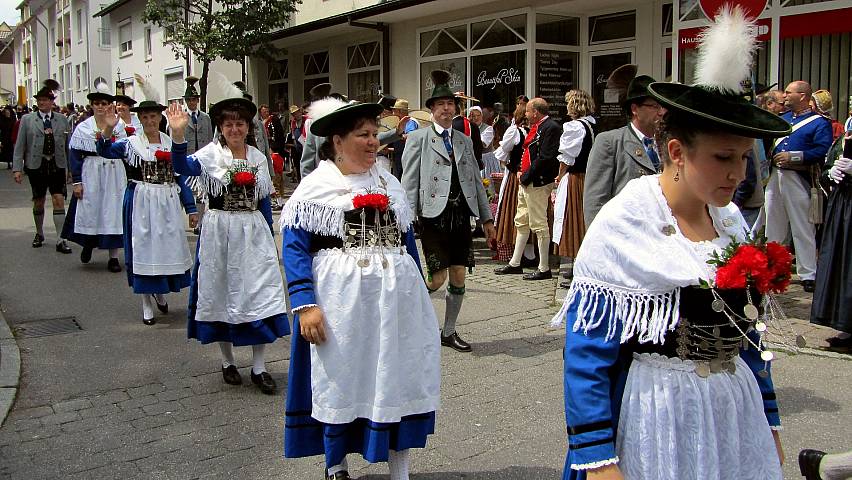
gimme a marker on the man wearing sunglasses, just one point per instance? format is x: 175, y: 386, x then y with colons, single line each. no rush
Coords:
x: 623, y: 154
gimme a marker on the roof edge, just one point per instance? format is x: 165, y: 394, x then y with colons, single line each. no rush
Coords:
x: 109, y: 8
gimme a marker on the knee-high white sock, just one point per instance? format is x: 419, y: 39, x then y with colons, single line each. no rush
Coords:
x: 543, y: 252
x: 398, y: 464
x: 343, y: 465
x: 58, y: 221
x: 520, y: 244
x: 147, y: 307
x: 227, y: 353
x: 113, y: 253
x: 837, y: 466
x: 258, y: 360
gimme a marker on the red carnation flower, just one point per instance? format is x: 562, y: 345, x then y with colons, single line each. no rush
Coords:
x: 244, y: 179
x: 129, y: 130
x: 163, y: 156
x: 379, y: 201
x: 729, y: 277
x: 780, y: 266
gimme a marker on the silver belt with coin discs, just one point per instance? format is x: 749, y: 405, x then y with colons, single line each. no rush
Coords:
x: 239, y: 199
x: 157, y: 172
x: 361, y: 237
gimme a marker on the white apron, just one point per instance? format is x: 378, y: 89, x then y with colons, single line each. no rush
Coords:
x: 239, y: 279
x: 159, y: 240
x: 559, y: 208
x: 99, y: 211
x: 382, y: 346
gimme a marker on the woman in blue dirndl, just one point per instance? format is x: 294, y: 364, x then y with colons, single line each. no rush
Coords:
x: 237, y: 293
x: 365, y: 371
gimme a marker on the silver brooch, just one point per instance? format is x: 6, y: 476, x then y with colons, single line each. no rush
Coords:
x: 669, y: 230
x: 728, y: 222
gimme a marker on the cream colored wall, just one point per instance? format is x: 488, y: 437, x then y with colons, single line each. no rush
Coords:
x: 311, y: 10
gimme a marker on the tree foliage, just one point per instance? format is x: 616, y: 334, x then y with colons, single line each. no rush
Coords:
x: 211, y: 30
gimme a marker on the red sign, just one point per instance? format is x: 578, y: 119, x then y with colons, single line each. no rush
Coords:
x: 688, y: 37
x: 752, y: 8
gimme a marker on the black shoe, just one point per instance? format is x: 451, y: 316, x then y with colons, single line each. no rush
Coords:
x: 86, y: 255
x: 840, y: 343
x: 149, y: 321
x: 113, y: 265
x: 38, y: 240
x: 529, y: 262
x: 809, y: 463
x: 565, y: 284
x: 508, y: 270
x: 808, y: 286
x: 163, y: 307
x: 538, y: 275
x: 264, y: 381
x: 341, y: 475
x: 63, y: 247
x: 568, y: 274
x: 454, y: 342
x: 196, y: 230
x: 231, y: 375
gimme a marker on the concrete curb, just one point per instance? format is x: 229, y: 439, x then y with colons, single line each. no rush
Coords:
x: 10, y: 368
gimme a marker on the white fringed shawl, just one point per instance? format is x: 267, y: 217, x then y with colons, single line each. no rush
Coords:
x: 628, y: 265
x: 85, y: 136
x: 320, y: 200
x: 138, y: 149
x: 216, y: 161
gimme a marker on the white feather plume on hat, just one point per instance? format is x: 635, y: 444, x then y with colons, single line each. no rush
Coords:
x: 226, y: 88
x: 324, y: 106
x: 726, y: 51
x: 148, y: 90
x: 102, y: 87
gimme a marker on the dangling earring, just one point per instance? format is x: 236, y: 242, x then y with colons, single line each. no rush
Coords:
x: 677, y: 175
x: 338, y: 158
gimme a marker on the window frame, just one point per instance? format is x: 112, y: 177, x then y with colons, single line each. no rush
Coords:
x: 127, y: 22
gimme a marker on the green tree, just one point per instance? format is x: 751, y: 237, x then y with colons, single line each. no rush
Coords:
x: 210, y: 30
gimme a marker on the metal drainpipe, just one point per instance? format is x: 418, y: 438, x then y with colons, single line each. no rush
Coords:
x: 385, y: 29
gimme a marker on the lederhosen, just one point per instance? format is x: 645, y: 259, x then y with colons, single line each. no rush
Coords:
x: 47, y: 177
x: 447, y: 238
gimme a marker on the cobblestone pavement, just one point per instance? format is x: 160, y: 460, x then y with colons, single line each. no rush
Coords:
x: 120, y: 400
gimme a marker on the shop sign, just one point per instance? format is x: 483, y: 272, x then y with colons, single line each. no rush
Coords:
x: 752, y: 8
x: 505, y: 76
x: 555, y: 75
x: 688, y: 37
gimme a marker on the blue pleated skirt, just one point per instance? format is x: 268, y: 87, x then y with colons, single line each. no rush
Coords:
x: 102, y: 242
x: 304, y: 436
x: 145, y: 284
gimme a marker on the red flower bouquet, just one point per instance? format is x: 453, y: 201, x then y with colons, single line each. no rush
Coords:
x: 244, y: 179
x: 765, y: 266
x: 129, y: 130
x: 163, y: 156
x: 379, y: 201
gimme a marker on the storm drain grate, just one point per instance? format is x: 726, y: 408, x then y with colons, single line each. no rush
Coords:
x: 47, y: 327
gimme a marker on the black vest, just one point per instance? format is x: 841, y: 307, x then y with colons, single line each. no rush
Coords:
x: 514, y: 164
x: 49, y: 148
x: 583, y: 157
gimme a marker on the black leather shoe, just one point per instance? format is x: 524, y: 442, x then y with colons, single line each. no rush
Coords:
x: 840, y: 344
x: 453, y: 341
x: 113, y: 265
x: 163, y: 307
x: 149, y: 321
x: 565, y: 284
x: 508, y: 270
x: 809, y: 463
x: 808, y: 286
x: 341, y: 475
x: 86, y: 255
x: 538, y: 275
x: 63, y: 247
x: 231, y: 375
x: 264, y: 381
x: 38, y: 240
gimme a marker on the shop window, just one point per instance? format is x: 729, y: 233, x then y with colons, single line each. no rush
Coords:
x: 443, y: 41
x: 822, y: 61
x: 607, y: 97
x: 310, y: 83
x: 364, y: 55
x: 458, y: 75
x: 499, y: 32
x: 365, y: 86
x: 557, y: 30
x: 667, y: 20
x: 556, y: 73
x: 498, y: 77
x: 613, y: 27
x: 316, y: 63
x: 125, y: 38
x: 689, y: 10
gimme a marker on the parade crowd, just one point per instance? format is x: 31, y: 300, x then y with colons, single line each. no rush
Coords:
x: 668, y: 233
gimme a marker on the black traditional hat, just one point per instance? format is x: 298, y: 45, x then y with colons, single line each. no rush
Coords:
x: 101, y: 92
x: 152, y: 97
x: 319, y: 91
x: 441, y: 87
x: 726, y: 51
x: 120, y: 95
x: 637, y: 89
x: 330, y: 111
x: 234, y: 98
x: 191, y: 91
x: 47, y: 89
x: 387, y: 101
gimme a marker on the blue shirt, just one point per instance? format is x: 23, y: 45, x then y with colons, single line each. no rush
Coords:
x: 810, y: 142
